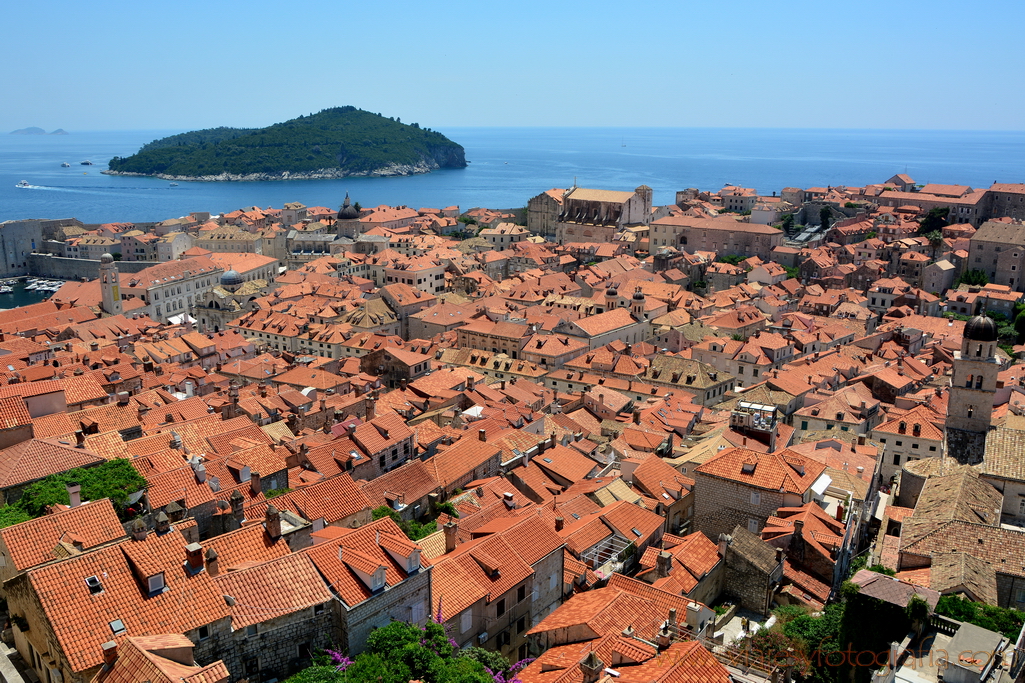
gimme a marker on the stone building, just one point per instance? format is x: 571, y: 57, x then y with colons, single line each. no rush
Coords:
x: 753, y: 569
x: 741, y: 487
x: 597, y: 215
x: 721, y: 235
x: 110, y: 285
x: 543, y: 212
x: 973, y: 387
x: 998, y: 249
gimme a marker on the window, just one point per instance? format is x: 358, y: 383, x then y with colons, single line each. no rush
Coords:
x: 118, y: 627
x: 896, y: 459
x: 1021, y: 510
x: 552, y: 581
x: 94, y: 585
x: 465, y: 621
x: 932, y: 448
x: 252, y: 666
x: 521, y: 625
x: 156, y: 583
x: 500, y: 609
x: 752, y: 525
x: 900, y: 443
x: 521, y: 593
x: 252, y: 630
x: 535, y: 595
x: 804, y: 424
x: 417, y: 612
x: 756, y: 498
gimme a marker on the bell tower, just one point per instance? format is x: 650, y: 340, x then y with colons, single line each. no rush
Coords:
x: 110, y: 285
x: 973, y: 386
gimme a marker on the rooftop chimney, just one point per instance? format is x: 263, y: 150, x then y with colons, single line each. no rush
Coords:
x: 122, y: 398
x: 254, y: 482
x: 74, y: 493
x: 637, y: 416
x: 212, y: 566
x: 509, y: 500
x: 163, y: 524
x: 194, y: 557
x: 272, y: 522
x: 109, y: 653
x: 560, y: 523
x: 663, y: 564
x: 138, y: 530
x: 451, y: 528
x: 482, y: 435
x: 79, y: 438
x: 591, y: 668
x: 200, y: 472
x: 779, y: 554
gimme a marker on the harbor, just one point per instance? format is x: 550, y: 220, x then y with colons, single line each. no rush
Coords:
x: 17, y: 292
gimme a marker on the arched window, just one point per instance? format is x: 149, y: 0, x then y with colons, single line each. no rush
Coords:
x: 971, y: 409
x: 978, y: 382
x: 978, y: 350
x: 968, y: 382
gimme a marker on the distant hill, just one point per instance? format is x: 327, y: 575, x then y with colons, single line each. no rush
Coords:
x: 335, y: 143
x: 37, y: 131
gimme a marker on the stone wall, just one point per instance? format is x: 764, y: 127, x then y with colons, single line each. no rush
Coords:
x: 396, y: 603
x: 281, y: 646
x: 968, y: 448
x: 60, y: 268
x: 749, y: 586
x: 720, y: 505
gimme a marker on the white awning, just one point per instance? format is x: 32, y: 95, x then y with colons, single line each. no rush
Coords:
x: 821, y: 484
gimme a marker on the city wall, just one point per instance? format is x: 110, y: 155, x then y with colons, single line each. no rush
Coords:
x: 59, y: 267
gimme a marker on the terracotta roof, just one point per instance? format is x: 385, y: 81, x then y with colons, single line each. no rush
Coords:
x: 273, y: 589
x: 32, y: 460
x: 891, y: 589
x: 139, y: 659
x: 81, y: 620
x: 33, y: 542
x: 780, y: 471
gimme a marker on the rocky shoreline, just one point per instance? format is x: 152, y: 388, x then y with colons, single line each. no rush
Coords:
x: 392, y: 170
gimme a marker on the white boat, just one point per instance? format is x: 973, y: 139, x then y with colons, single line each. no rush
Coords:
x: 65, y: 165
x: 23, y: 183
x: 174, y: 184
x: 28, y: 287
x: 4, y: 289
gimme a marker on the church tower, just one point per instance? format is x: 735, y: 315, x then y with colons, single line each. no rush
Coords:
x: 347, y: 221
x: 110, y: 285
x: 637, y: 304
x: 973, y: 386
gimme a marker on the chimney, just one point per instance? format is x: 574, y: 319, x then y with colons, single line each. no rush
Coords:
x: 94, y: 346
x: 672, y: 618
x: 724, y: 543
x: 664, y: 638
x: 254, y: 482
x: 122, y: 398
x: 591, y: 668
x: 560, y: 523
x: 510, y: 502
x: 200, y: 472
x: 370, y: 410
x: 482, y: 435
x: 637, y: 416
x: 840, y: 513
x: 779, y: 554
x: 79, y: 438
x: 189, y: 391
x: 628, y: 632
x: 663, y: 564
x: 798, y: 529
x: 263, y: 390
x: 272, y: 522
x: 163, y: 524
x: 74, y: 493
x: 109, y: 653
x: 194, y: 557
x: 138, y: 530
x: 212, y: 566
x: 450, y: 536
x: 237, y: 502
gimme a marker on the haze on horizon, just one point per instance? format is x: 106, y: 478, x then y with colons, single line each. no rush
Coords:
x: 187, y: 65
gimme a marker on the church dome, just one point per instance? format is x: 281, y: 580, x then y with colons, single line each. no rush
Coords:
x: 638, y: 295
x: 231, y: 278
x: 348, y: 211
x: 106, y: 258
x: 981, y: 328
x: 612, y: 291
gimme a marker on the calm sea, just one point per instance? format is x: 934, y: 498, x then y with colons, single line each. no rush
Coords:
x: 510, y: 165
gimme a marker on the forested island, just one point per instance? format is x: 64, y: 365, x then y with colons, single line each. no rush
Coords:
x: 334, y: 143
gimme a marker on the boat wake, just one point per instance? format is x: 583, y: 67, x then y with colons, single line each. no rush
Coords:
x: 97, y: 189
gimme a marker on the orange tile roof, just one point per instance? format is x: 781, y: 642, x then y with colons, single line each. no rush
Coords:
x: 138, y: 660
x: 780, y: 471
x: 273, y: 589
x: 32, y: 460
x: 33, y: 542
x: 251, y: 543
x: 81, y: 621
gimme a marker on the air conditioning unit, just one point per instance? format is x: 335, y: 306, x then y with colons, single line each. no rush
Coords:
x: 482, y: 638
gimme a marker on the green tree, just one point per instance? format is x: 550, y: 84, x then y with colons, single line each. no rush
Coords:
x: 788, y: 223
x: 115, y: 479
x: 732, y: 259
x: 935, y: 238
x: 793, y: 272
x: 1019, y: 326
x: 973, y: 277
x: 413, y: 529
x: 11, y: 515
x: 997, y: 619
x: 825, y: 214
x: 935, y: 219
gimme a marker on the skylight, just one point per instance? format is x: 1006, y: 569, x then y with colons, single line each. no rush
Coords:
x: 118, y: 627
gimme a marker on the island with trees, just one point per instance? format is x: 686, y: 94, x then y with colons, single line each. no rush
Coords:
x: 334, y: 143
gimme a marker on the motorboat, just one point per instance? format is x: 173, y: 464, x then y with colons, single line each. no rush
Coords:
x: 174, y: 184
x: 86, y: 163
x: 65, y: 165
x: 23, y: 183
x: 4, y: 289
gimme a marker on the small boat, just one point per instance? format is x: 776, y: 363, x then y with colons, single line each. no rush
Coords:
x: 65, y: 165
x: 174, y: 184
x: 4, y: 289
x: 23, y: 183
x: 86, y: 163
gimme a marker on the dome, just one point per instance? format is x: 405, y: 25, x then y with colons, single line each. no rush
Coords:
x: 106, y: 258
x: 638, y: 295
x: 612, y: 291
x: 981, y: 328
x: 348, y: 211
x: 231, y: 278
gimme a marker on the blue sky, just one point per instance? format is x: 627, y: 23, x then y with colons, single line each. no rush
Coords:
x: 824, y: 64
